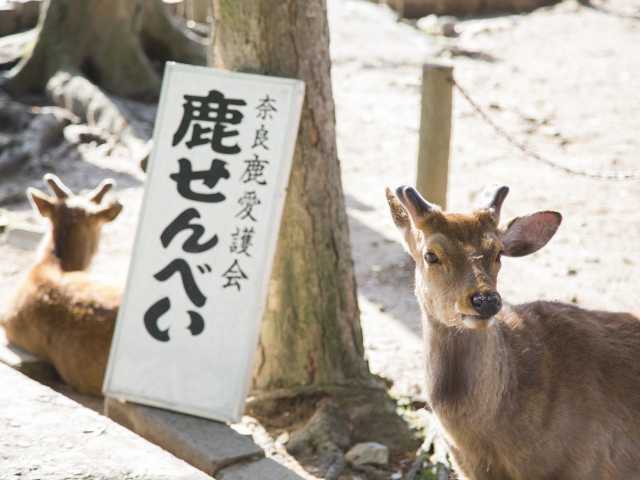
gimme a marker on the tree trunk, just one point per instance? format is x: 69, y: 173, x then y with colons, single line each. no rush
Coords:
x: 104, y: 40
x: 164, y: 39
x: 86, y: 46
x: 311, y: 336
x: 311, y: 340
x: 96, y: 38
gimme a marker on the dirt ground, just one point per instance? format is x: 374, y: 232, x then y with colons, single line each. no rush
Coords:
x: 564, y: 80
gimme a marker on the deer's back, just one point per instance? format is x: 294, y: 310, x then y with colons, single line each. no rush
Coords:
x: 68, y: 319
x: 572, y: 409
x: 588, y: 358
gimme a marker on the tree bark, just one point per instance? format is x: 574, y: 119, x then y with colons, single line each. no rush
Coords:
x: 106, y: 41
x: 164, y: 39
x: 311, y: 337
x: 96, y: 38
x: 88, y: 49
x: 311, y: 341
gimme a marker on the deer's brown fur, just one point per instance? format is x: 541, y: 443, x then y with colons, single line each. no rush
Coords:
x: 58, y: 312
x: 542, y: 390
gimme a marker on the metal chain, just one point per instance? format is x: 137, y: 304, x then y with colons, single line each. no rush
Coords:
x: 599, y: 175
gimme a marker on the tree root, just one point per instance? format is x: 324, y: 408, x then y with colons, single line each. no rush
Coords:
x: 12, y: 47
x: 114, y: 44
x: 32, y: 136
x: 327, y: 429
x: 323, y: 426
x: 32, y: 132
x: 78, y: 95
x: 85, y: 100
x: 323, y: 439
x: 259, y: 396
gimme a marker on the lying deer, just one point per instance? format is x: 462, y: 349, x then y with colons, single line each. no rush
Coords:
x: 541, y: 390
x: 58, y: 312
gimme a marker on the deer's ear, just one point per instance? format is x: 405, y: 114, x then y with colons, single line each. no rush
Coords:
x: 402, y: 221
x: 40, y: 201
x: 109, y: 212
x: 525, y: 235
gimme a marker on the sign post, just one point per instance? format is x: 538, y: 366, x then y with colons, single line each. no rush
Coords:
x: 188, y: 326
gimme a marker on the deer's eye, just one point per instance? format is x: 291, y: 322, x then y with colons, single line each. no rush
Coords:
x: 431, y: 258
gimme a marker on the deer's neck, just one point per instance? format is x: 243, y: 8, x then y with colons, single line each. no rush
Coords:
x: 468, y: 371
x: 64, y: 251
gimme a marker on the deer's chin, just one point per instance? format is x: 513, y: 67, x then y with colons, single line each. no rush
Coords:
x: 476, y: 322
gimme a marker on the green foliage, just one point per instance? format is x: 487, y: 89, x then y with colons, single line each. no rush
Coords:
x: 434, y: 453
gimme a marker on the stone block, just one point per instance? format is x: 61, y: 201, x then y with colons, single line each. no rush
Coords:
x: 265, y: 469
x: 205, y: 444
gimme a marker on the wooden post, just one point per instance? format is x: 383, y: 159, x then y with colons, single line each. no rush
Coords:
x: 435, y: 132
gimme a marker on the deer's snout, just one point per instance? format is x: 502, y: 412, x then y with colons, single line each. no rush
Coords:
x: 487, y: 304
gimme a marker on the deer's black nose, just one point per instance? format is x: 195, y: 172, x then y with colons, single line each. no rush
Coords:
x: 487, y: 304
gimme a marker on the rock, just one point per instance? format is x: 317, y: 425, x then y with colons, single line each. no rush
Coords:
x: 375, y: 420
x: 369, y: 453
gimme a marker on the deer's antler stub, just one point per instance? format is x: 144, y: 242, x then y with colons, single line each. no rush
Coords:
x: 59, y: 189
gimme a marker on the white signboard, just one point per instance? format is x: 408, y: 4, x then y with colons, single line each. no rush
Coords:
x: 188, y: 326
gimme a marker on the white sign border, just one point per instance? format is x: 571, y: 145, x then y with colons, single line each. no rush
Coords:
x: 293, y: 122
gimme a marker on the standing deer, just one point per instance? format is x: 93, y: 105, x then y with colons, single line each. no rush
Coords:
x: 59, y: 313
x: 536, y: 391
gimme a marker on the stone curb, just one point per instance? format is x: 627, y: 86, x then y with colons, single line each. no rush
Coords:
x: 205, y: 444
x: 265, y: 469
x: 45, y: 435
x: 212, y: 447
x: 25, y: 362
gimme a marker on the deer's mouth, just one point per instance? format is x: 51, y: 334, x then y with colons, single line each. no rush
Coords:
x: 477, y: 322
